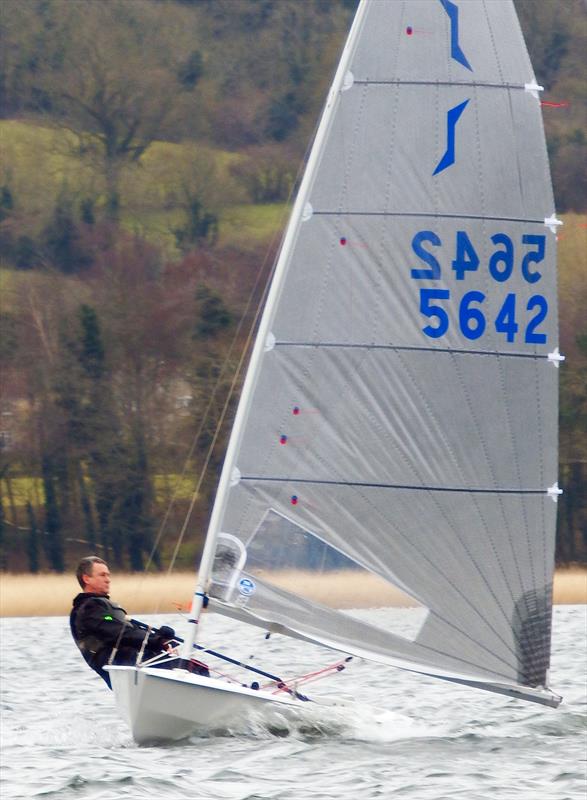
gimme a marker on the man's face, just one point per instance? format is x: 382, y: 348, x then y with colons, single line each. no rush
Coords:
x: 99, y: 581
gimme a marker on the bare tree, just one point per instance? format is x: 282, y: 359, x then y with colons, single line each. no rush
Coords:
x: 119, y: 84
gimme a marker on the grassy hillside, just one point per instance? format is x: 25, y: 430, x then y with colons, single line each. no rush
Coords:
x: 43, y: 162
x: 151, y: 318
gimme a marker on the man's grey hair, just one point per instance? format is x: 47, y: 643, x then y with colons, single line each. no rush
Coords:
x: 85, y: 567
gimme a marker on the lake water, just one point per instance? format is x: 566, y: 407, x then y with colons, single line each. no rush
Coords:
x: 397, y: 736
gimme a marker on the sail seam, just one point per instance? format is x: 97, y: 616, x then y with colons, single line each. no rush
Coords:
x: 405, y: 654
x: 367, y: 485
x: 524, y: 652
x: 434, y: 566
x: 463, y: 540
x: 473, y: 411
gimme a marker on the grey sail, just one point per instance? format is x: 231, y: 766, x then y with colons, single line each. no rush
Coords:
x: 400, y: 411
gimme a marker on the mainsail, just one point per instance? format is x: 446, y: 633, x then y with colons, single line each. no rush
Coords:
x: 400, y: 410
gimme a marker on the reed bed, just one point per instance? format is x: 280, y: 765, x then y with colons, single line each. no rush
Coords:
x: 50, y: 595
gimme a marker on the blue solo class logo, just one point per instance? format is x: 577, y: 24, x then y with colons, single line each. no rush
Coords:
x: 246, y: 586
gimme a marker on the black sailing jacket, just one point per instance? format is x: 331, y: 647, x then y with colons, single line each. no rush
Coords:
x: 98, y: 624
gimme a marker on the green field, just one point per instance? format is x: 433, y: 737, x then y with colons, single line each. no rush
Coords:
x: 40, y: 163
x: 22, y: 490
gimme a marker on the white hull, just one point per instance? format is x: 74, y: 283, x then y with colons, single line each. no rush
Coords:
x: 167, y: 705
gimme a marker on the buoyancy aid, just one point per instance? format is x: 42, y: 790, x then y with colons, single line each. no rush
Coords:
x: 102, y: 630
x: 83, y: 625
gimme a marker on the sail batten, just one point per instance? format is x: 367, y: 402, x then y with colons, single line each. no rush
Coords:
x: 413, y: 348
x: 410, y: 487
x: 465, y: 84
x: 434, y: 215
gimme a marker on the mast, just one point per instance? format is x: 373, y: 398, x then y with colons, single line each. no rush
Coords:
x: 207, y: 559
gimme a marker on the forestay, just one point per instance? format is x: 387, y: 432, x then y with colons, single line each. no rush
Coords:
x: 400, y: 411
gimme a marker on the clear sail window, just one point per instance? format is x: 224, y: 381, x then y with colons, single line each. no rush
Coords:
x: 297, y: 562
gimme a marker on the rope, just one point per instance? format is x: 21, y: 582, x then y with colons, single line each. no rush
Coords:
x: 206, y: 414
x: 338, y: 666
x: 236, y: 377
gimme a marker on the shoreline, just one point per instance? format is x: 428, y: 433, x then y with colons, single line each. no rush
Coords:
x: 26, y: 595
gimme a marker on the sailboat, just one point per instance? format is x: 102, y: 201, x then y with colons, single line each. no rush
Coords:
x: 399, y: 414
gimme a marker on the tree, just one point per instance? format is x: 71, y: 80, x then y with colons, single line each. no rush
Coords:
x: 62, y: 240
x: 200, y: 226
x: 191, y: 70
x: 556, y: 35
x: 99, y: 433
x: 22, y: 43
x: 142, y: 320
x: 32, y: 540
x: 212, y: 314
x: 266, y: 174
x: 133, y: 516
x: 119, y: 83
x: 53, y: 530
x: 2, y: 530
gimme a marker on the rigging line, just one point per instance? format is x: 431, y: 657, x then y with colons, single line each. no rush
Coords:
x: 207, y: 411
x: 235, y: 379
x: 426, y: 214
x: 204, y: 419
x: 47, y: 533
x: 217, y: 385
x: 215, y: 653
x: 397, y: 348
x: 367, y: 485
x: 239, y: 367
x: 206, y: 414
x: 199, y: 433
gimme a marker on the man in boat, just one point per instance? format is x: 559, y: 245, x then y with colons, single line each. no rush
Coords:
x: 100, y: 626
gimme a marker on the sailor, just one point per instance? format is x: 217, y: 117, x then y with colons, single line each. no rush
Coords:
x: 100, y: 626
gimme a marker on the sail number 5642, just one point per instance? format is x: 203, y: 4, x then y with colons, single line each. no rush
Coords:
x: 472, y: 319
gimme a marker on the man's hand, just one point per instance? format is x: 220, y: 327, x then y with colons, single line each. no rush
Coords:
x: 166, y: 633
x: 162, y: 638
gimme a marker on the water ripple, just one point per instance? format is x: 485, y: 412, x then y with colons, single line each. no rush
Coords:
x: 390, y: 735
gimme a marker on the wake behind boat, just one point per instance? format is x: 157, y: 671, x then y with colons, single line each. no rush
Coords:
x: 399, y: 414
